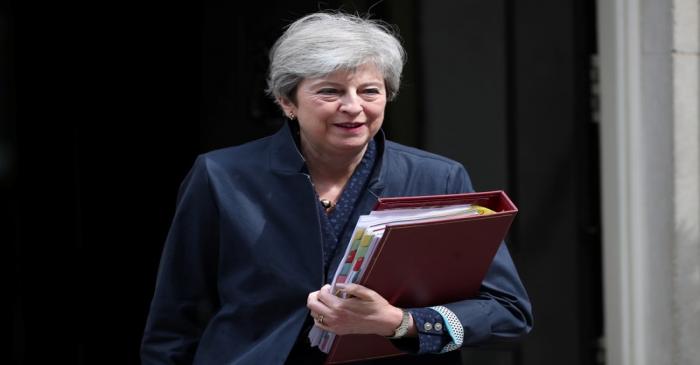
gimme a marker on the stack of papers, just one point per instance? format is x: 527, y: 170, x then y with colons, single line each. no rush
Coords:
x: 365, y: 238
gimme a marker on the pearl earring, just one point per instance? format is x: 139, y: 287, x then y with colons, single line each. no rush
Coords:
x: 291, y: 115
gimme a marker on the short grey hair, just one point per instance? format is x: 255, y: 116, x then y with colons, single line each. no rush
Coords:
x: 321, y: 43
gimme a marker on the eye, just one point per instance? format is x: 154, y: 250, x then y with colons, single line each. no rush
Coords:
x: 328, y: 91
x: 372, y: 91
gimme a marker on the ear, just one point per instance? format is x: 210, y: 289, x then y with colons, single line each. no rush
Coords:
x: 288, y: 108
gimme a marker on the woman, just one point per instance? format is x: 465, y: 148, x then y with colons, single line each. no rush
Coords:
x: 259, y: 228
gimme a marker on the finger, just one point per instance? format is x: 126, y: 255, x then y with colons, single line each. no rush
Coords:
x: 315, y: 305
x: 322, y: 325
x: 327, y: 298
x: 358, y: 291
x: 320, y: 319
x: 313, y: 294
x: 318, y: 307
x: 311, y: 298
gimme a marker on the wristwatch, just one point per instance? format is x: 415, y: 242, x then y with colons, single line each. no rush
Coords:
x: 403, y: 326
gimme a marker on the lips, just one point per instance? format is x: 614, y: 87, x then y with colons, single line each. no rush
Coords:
x: 349, y: 125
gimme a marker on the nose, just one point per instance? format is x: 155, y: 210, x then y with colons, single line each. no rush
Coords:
x: 351, y: 103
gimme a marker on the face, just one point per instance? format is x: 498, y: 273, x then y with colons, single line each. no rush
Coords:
x: 341, y: 112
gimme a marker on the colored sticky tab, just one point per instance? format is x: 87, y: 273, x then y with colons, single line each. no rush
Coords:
x: 347, y: 266
x: 364, y: 244
x: 483, y: 210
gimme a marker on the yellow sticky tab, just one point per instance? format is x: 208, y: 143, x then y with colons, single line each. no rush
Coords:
x: 366, y: 240
x: 483, y: 210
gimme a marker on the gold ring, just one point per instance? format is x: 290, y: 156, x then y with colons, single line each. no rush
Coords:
x: 320, y: 319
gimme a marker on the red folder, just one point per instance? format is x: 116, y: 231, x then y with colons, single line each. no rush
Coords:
x: 428, y: 263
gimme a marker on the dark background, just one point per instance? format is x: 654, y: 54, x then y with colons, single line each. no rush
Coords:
x: 103, y: 108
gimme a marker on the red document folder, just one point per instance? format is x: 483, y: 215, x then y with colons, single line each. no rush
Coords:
x: 429, y: 263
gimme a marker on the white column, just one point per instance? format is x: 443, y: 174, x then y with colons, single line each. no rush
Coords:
x: 686, y: 279
x: 617, y: 90
x: 650, y: 180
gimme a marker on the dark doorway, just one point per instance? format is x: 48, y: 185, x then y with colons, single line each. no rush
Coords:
x: 107, y: 112
x: 508, y: 93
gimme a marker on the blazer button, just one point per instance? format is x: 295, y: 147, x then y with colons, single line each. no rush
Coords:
x: 438, y: 326
x: 427, y: 326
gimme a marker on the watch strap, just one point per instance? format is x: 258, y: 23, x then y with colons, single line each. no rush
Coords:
x: 402, y: 329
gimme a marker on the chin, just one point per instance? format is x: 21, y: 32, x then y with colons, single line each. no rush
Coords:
x: 350, y: 146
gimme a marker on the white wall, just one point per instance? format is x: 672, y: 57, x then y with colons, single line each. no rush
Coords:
x: 650, y: 180
x: 686, y: 275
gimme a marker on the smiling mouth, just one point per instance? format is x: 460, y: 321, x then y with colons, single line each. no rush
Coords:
x: 349, y: 125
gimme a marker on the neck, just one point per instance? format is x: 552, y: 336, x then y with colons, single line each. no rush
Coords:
x: 331, y: 168
x: 330, y: 172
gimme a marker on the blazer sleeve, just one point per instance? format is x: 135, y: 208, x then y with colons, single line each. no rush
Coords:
x: 185, y: 295
x: 502, y: 310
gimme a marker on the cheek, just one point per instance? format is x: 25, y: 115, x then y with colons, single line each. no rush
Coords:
x: 321, y: 109
x: 375, y: 110
x: 315, y: 112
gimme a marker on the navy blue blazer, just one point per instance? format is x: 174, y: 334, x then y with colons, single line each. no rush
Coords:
x: 244, y: 252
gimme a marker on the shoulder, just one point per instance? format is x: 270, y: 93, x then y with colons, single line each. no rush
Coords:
x: 225, y: 168
x: 398, y: 153
x: 235, y: 157
x: 411, y: 171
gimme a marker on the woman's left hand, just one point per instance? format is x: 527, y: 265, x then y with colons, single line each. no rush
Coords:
x: 363, y: 311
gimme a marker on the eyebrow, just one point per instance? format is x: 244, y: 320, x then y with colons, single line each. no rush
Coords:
x: 321, y: 83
